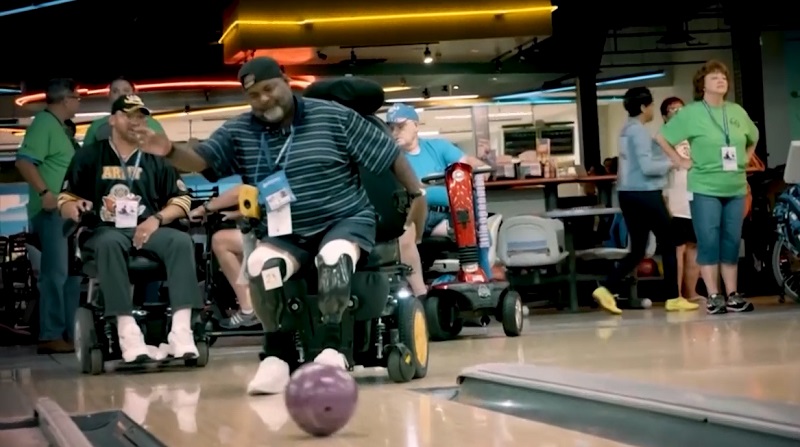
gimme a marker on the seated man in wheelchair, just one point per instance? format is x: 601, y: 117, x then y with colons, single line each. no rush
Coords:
x: 138, y: 198
x: 303, y: 155
x: 426, y: 156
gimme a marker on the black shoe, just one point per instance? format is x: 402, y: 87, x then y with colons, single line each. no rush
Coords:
x: 737, y: 303
x: 715, y: 304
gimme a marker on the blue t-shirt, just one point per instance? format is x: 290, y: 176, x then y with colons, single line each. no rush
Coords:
x: 434, y: 156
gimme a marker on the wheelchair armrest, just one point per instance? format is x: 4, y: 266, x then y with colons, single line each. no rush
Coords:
x: 88, y: 219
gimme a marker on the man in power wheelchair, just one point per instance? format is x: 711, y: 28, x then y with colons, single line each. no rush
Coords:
x: 304, y: 155
x: 137, y: 200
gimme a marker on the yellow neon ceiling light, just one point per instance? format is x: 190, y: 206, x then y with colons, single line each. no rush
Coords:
x: 384, y: 17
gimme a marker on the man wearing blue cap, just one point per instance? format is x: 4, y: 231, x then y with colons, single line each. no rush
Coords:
x: 426, y: 156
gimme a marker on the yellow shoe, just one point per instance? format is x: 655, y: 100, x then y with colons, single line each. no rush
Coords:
x: 679, y: 304
x: 606, y: 300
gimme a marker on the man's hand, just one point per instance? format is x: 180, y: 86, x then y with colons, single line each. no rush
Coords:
x: 49, y: 201
x: 197, y: 214
x: 143, y: 232
x: 230, y: 215
x: 73, y: 209
x: 153, y: 142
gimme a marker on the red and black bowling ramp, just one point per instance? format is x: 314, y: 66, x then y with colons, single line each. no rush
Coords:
x: 623, y: 410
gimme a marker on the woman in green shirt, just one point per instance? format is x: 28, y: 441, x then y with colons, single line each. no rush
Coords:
x: 723, y: 138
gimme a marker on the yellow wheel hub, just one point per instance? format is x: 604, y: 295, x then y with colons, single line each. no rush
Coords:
x: 420, y: 337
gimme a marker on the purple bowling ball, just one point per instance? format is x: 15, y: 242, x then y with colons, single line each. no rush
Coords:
x: 321, y: 399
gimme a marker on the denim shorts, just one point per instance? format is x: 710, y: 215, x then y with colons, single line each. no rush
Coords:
x: 718, y: 226
x: 434, y: 218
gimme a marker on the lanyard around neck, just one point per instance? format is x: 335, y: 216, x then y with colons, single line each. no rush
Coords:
x: 129, y: 179
x: 724, y: 127
x: 265, y: 152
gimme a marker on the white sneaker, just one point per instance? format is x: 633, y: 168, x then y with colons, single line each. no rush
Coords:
x: 332, y: 357
x: 181, y: 344
x: 272, y: 377
x: 132, y: 345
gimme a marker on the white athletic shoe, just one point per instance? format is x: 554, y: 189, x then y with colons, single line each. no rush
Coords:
x: 132, y: 345
x: 181, y: 344
x: 332, y: 357
x: 272, y: 377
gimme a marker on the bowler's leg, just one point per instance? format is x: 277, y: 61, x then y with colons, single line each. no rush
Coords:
x: 175, y: 249
x: 268, y: 266
x: 109, y: 248
x: 339, y: 252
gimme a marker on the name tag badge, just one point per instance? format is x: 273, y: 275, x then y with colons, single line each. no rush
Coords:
x: 276, y: 192
x: 279, y: 222
x: 729, y: 162
x: 126, y: 213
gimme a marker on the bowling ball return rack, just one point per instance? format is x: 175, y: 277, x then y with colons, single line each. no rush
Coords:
x: 44, y: 423
x: 624, y: 410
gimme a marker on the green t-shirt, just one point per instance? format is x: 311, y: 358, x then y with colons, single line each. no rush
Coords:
x: 100, y: 129
x: 47, y: 145
x: 704, y: 132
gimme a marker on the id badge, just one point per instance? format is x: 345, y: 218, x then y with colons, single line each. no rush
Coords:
x: 729, y: 161
x: 279, y: 222
x: 126, y: 213
x: 275, y: 191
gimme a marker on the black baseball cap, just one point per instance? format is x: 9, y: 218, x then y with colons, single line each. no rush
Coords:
x: 128, y: 104
x: 259, y: 69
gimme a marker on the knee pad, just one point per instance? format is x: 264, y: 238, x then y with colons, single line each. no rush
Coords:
x: 330, y: 253
x: 335, y: 264
x: 271, y: 265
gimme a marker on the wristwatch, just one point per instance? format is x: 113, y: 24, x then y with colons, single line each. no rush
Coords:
x: 159, y: 218
x: 419, y: 193
x: 43, y: 192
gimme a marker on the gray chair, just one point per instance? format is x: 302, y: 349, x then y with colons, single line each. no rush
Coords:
x: 530, y: 242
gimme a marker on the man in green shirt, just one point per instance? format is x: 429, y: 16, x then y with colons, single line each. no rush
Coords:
x: 99, y: 129
x: 42, y: 160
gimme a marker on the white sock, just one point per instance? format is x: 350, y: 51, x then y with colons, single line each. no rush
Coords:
x: 246, y: 311
x: 182, y: 320
x: 125, y: 323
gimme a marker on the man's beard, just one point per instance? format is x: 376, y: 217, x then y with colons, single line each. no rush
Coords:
x: 274, y: 114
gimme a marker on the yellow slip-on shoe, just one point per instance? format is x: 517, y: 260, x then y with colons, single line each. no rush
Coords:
x: 606, y: 300
x: 679, y: 304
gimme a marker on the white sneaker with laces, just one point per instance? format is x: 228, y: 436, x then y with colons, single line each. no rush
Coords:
x: 332, y: 357
x: 132, y: 345
x: 181, y: 344
x: 272, y: 377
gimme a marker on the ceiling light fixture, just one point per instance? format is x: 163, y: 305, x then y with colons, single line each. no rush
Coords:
x: 428, y: 58
x: 434, y: 98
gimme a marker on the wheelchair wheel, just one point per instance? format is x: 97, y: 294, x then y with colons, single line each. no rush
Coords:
x: 784, y: 264
x: 511, y: 310
x: 442, y: 317
x: 90, y: 359
x: 202, y: 357
x: 400, y: 365
x: 413, y: 330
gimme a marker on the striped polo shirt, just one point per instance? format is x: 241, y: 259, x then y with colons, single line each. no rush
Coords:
x: 328, y: 143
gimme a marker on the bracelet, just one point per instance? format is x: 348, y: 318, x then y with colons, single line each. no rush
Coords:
x: 206, y: 206
x: 43, y: 192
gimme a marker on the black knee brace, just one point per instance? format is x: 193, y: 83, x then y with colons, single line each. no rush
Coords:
x: 268, y: 303
x: 334, y: 288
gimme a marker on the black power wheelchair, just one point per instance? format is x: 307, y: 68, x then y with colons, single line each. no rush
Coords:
x: 96, y: 341
x: 384, y: 324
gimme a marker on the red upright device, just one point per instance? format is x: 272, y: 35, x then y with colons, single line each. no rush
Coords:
x: 458, y: 180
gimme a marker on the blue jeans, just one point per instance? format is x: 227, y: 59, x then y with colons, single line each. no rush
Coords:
x: 717, y: 224
x: 59, y: 293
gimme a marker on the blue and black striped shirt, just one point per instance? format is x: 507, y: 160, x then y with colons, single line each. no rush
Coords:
x: 328, y: 143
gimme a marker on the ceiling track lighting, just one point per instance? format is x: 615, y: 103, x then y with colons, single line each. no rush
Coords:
x: 427, y: 56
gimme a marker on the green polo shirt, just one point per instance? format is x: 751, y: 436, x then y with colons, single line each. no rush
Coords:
x: 100, y: 129
x: 703, y: 128
x: 46, y: 145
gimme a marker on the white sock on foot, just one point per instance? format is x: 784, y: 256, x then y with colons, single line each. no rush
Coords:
x: 182, y: 320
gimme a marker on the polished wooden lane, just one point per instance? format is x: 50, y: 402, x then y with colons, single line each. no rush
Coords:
x: 754, y: 355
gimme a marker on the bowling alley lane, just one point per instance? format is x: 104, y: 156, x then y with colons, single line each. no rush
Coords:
x: 754, y: 355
